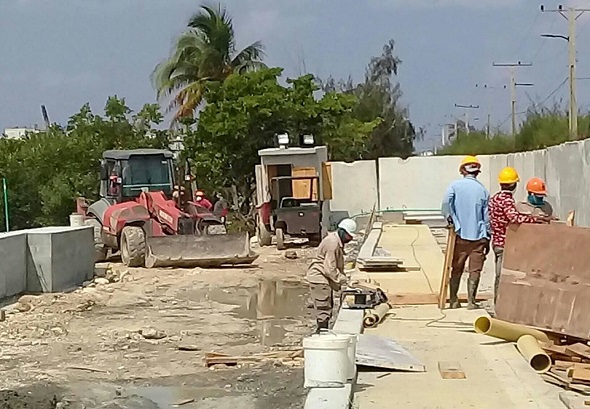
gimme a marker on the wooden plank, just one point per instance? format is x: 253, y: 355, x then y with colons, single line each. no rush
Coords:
x: 327, y: 186
x: 302, y: 188
x: 379, y: 352
x: 446, y: 274
x: 429, y: 299
x: 580, y: 374
x: 451, y: 370
x: 563, y: 365
x: 579, y: 349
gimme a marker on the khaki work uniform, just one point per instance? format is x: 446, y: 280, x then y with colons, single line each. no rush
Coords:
x: 526, y: 208
x: 325, y: 275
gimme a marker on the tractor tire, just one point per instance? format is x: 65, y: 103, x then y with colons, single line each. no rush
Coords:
x: 133, y: 247
x: 100, y: 250
x: 280, y: 235
x: 264, y: 237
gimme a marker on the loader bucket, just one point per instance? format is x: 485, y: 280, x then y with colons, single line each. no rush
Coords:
x: 199, y: 251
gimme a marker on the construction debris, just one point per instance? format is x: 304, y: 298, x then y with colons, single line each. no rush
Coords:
x: 375, y: 316
x: 295, y: 356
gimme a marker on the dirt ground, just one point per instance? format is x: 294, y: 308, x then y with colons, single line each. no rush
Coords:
x: 136, y: 338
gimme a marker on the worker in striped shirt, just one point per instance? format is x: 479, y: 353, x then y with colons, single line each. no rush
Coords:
x: 503, y: 211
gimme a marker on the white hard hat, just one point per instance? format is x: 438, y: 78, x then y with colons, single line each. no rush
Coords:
x: 348, y: 225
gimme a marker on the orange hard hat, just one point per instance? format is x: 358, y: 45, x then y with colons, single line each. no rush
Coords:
x: 536, y: 186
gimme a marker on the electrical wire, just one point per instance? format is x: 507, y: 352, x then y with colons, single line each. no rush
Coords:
x: 554, y: 91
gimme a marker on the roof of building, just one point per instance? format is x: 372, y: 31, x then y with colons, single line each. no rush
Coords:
x: 118, y: 154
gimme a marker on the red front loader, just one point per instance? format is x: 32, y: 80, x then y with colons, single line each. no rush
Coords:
x: 141, y: 214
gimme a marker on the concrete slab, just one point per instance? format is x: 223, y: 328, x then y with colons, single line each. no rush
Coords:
x: 13, y: 271
x: 496, y: 375
x: 59, y: 258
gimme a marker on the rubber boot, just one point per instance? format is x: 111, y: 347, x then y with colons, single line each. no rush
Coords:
x: 472, y: 285
x: 454, y: 283
x: 322, y: 325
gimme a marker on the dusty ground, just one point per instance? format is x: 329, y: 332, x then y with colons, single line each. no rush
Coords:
x: 116, y: 344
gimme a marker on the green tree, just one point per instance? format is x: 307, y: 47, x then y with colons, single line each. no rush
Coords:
x: 378, y: 98
x: 245, y: 112
x: 62, y: 164
x: 205, y: 52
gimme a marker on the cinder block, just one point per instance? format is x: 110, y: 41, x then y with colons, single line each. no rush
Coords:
x: 59, y: 258
x: 13, y: 273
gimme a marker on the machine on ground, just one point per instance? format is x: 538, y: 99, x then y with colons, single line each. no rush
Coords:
x: 153, y: 221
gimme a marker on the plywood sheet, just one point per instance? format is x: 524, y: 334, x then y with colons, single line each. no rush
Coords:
x: 545, y: 279
x: 326, y: 181
x: 301, y: 188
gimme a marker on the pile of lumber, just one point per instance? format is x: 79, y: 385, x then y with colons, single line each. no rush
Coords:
x: 570, y: 368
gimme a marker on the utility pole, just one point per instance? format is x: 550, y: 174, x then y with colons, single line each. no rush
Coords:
x: 488, y: 105
x: 467, y: 108
x: 572, y: 15
x: 513, y: 85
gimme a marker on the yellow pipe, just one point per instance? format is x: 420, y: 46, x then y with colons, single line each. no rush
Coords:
x: 529, y: 348
x: 506, y: 330
x: 373, y: 318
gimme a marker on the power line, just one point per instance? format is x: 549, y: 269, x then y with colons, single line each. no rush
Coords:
x: 554, y: 91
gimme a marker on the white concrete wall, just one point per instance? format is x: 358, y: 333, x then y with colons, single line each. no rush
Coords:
x: 13, y: 272
x: 354, y: 187
x: 420, y: 182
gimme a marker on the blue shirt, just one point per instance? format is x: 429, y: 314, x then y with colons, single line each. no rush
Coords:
x: 466, y: 202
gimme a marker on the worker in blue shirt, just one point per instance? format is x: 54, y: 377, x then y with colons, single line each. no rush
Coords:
x: 465, y: 206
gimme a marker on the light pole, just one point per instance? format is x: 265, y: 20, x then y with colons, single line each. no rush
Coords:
x: 572, y: 15
x: 467, y: 108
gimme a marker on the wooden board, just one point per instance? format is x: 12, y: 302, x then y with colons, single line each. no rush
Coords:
x: 579, y: 349
x: 545, y: 280
x: 326, y: 181
x: 380, y: 352
x: 301, y: 188
x: 446, y: 274
x: 579, y: 374
x: 430, y: 299
x: 451, y: 370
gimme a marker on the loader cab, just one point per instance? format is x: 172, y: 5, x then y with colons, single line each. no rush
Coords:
x: 125, y: 174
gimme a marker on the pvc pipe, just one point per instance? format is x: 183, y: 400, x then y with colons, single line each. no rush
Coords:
x: 374, y: 318
x: 529, y: 348
x: 506, y: 330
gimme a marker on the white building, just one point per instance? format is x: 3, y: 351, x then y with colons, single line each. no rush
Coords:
x: 17, y: 133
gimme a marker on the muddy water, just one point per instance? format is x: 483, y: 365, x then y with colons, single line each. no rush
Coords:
x: 273, y: 304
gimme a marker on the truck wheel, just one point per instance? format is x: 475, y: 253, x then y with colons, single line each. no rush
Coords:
x: 264, y: 237
x: 100, y: 250
x: 133, y: 246
x: 280, y: 238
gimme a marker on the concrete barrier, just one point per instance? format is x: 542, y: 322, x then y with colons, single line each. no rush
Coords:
x: 420, y: 182
x: 13, y: 271
x: 59, y: 258
x: 47, y: 259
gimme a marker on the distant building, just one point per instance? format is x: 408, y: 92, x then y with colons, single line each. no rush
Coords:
x: 17, y: 133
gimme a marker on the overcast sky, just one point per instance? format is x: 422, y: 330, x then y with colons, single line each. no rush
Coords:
x: 64, y: 53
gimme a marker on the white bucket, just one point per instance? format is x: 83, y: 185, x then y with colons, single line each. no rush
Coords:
x: 352, y: 340
x: 76, y: 220
x: 327, y: 363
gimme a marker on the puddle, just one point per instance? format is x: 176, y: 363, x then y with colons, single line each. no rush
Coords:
x: 274, y: 304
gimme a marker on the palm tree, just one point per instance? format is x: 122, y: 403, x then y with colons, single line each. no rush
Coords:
x: 205, y: 52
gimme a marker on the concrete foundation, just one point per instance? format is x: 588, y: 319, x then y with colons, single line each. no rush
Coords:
x: 13, y: 272
x: 59, y: 258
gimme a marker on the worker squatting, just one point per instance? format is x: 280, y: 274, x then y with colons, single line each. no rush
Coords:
x: 480, y: 221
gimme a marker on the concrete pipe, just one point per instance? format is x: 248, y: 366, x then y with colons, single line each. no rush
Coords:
x: 372, y: 319
x: 529, y: 348
x: 506, y: 330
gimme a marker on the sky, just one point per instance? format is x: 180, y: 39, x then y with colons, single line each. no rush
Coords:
x: 65, y: 53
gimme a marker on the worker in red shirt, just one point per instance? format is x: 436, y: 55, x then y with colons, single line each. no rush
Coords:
x: 502, y: 211
x: 202, y: 201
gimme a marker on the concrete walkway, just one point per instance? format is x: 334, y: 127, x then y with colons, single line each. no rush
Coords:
x: 497, y: 375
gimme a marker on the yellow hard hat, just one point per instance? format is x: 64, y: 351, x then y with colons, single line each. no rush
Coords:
x: 469, y: 160
x: 508, y: 176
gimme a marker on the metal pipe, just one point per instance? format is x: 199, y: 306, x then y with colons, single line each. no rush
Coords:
x: 529, y: 348
x: 372, y: 319
x: 506, y: 330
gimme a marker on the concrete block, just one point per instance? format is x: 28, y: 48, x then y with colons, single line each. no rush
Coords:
x: 565, y: 179
x: 354, y: 188
x: 59, y: 258
x: 13, y: 274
